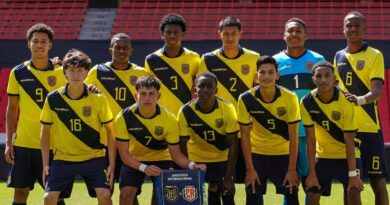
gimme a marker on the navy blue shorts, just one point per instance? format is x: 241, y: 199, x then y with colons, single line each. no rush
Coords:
x: 215, y: 171
x: 62, y: 174
x: 273, y: 167
x: 329, y: 169
x: 27, y: 169
x: 373, y: 154
x: 135, y: 178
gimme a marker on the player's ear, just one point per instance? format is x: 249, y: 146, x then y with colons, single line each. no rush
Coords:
x: 110, y: 50
x: 50, y: 45
x: 158, y: 95
x: 136, y: 96
x: 216, y: 90
x: 313, y: 80
x: 277, y: 75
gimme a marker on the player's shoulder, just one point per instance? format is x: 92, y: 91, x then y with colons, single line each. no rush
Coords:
x: 314, y: 54
x: 280, y: 55
x: 21, y: 66
x: 165, y: 112
x: 250, y: 52
x: 251, y: 91
x: 154, y: 55
x: 374, y: 50
x: 190, y: 52
x: 210, y: 53
x: 56, y: 92
x: 285, y: 91
x: 309, y: 96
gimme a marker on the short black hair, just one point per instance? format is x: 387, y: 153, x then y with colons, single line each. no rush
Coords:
x: 207, y: 74
x: 40, y: 28
x: 147, y: 81
x: 230, y: 21
x: 296, y: 20
x: 117, y: 37
x: 322, y: 64
x: 266, y: 60
x: 175, y: 19
x: 355, y: 13
x: 76, y: 58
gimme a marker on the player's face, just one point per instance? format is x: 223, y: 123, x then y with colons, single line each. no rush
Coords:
x: 39, y: 45
x: 147, y: 97
x: 324, y: 79
x: 76, y: 75
x: 295, y: 35
x: 267, y: 75
x: 230, y: 36
x: 172, y: 35
x: 121, y: 51
x: 206, y: 88
x: 354, y: 28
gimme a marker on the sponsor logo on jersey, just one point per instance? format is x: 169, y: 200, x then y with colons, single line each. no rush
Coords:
x: 281, y: 111
x: 52, y: 80
x: 360, y: 64
x: 245, y: 69
x: 158, y: 130
x: 185, y: 68
x: 171, y: 193
x: 87, y: 111
x: 190, y: 193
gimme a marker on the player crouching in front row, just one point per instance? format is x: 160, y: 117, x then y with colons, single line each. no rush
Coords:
x: 148, y: 140
x: 76, y: 117
x: 330, y: 127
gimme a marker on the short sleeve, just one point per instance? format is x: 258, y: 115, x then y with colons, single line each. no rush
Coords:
x: 46, y: 117
x: 173, y: 129
x: 120, y: 128
x: 243, y: 115
x: 231, y: 119
x: 294, y: 114
x: 13, y: 86
x: 349, y: 123
x: 183, y: 126
x: 105, y: 114
x: 378, y: 68
x: 92, y: 76
x: 306, y: 118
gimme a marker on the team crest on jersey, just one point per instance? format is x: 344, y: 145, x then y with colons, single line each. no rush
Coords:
x: 281, y: 111
x: 52, y: 80
x: 171, y: 193
x: 360, y: 64
x: 336, y: 115
x: 133, y: 80
x: 190, y: 193
x: 219, y: 123
x: 245, y: 69
x: 309, y: 66
x: 158, y: 130
x: 87, y: 111
x: 185, y: 68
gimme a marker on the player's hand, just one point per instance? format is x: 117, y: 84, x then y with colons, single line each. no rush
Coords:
x: 251, y: 178
x: 200, y: 167
x: 45, y: 173
x: 351, y: 97
x: 152, y: 171
x: 291, y: 180
x: 228, y: 185
x: 312, y: 181
x: 110, y: 175
x: 93, y: 89
x: 355, y: 183
x: 56, y: 60
x: 9, y: 153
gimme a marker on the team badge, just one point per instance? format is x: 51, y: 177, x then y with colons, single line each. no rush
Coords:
x: 52, y: 80
x: 171, y: 193
x: 309, y: 66
x: 190, y: 193
x: 133, y: 80
x: 219, y: 122
x: 245, y: 69
x: 185, y: 68
x: 336, y: 115
x: 360, y: 64
x: 87, y: 111
x: 158, y: 130
x: 281, y: 111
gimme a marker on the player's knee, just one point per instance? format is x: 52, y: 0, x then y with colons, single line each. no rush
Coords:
x: 378, y: 185
x: 127, y: 195
x: 103, y: 195
x: 21, y: 194
x: 312, y: 198
x: 50, y: 198
x: 213, y: 187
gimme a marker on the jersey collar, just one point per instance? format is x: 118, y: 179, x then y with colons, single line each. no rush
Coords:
x: 111, y: 65
x: 158, y: 111
x: 85, y: 92
x: 50, y: 67
x: 197, y: 106
x: 164, y: 51
x: 304, y: 53
x: 334, y: 98
x: 363, y: 48
x: 277, y: 94
x: 240, y: 52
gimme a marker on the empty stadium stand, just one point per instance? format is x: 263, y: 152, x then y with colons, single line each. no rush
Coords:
x: 64, y: 16
x: 261, y: 20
